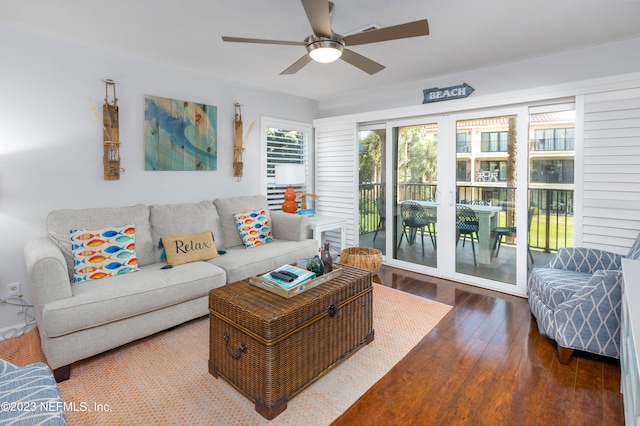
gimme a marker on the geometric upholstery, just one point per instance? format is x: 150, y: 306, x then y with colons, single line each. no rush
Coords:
x: 554, y: 286
x: 585, y: 260
x: 576, y: 299
x: 30, y: 394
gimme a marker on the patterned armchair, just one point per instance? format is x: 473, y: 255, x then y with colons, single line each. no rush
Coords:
x: 576, y: 300
x: 30, y: 395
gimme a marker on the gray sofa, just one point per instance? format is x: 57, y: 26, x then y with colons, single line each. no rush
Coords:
x: 77, y: 321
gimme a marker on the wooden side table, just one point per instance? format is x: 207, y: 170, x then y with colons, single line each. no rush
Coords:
x: 320, y: 224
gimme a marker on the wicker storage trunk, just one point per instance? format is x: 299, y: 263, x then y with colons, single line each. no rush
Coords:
x: 270, y: 348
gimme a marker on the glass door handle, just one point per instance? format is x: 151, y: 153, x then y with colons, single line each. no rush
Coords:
x: 438, y: 198
x: 451, y: 198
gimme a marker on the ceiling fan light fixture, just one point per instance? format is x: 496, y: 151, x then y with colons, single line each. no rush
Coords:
x: 325, y: 51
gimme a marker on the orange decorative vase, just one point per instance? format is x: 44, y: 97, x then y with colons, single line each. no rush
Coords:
x: 289, y: 205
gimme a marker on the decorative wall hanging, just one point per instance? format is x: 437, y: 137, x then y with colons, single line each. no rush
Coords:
x: 437, y: 94
x: 180, y: 135
x: 111, y: 154
x: 238, y: 166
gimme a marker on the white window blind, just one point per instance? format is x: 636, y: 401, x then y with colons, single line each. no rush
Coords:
x: 286, y: 143
x: 337, y: 178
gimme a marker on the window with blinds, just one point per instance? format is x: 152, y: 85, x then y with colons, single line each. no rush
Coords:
x: 285, y: 145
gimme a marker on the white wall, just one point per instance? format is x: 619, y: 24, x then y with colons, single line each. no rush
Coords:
x: 563, y: 68
x: 51, y: 143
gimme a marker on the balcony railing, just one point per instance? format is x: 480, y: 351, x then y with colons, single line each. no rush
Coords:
x: 552, y: 225
x: 557, y: 144
x: 552, y: 176
x: 463, y: 148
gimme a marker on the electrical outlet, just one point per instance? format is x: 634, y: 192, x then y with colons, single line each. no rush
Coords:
x: 13, y: 289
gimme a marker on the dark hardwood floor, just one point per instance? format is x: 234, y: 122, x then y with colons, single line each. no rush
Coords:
x: 486, y: 363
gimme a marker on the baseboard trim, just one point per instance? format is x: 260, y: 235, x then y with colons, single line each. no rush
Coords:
x: 15, y: 330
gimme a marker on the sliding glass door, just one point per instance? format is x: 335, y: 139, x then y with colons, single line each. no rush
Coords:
x: 454, y: 208
x: 477, y: 197
x: 486, y: 197
x: 372, y: 187
x: 415, y: 188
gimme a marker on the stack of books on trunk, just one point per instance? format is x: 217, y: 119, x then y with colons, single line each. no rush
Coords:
x: 287, y: 276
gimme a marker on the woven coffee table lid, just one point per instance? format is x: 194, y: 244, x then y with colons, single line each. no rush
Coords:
x: 269, y: 315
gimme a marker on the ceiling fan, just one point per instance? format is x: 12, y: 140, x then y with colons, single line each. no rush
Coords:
x: 325, y: 46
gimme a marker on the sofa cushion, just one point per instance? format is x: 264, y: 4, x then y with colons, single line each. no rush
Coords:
x: 263, y: 258
x: 254, y: 227
x: 181, y: 249
x: 226, y: 207
x: 104, y: 252
x: 554, y: 286
x: 60, y: 222
x: 99, y: 302
x: 179, y: 219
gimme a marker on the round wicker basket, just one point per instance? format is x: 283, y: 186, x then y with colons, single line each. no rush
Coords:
x: 362, y: 257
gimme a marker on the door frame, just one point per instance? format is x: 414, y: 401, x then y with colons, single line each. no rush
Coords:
x: 447, y: 189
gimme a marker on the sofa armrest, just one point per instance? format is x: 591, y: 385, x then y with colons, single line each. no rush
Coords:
x: 581, y: 259
x: 590, y: 319
x: 47, y: 272
x: 287, y: 226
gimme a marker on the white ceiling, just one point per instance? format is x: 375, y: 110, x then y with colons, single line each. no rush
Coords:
x: 465, y: 35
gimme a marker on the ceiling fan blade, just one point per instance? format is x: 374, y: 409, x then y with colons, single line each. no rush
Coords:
x: 319, y: 17
x: 262, y: 41
x: 410, y: 29
x: 297, y: 65
x: 359, y: 61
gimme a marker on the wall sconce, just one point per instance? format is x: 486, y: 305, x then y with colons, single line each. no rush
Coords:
x: 111, y: 157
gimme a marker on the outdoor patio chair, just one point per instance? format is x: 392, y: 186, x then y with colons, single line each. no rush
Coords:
x: 467, y: 224
x: 380, y: 207
x: 414, y: 217
x: 508, y: 231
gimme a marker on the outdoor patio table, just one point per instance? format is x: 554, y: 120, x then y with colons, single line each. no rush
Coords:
x: 487, y: 220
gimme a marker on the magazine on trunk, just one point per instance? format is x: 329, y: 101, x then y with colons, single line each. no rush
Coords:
x: 287, y: 281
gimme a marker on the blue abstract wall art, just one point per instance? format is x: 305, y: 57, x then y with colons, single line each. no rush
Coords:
x: 179, y: 135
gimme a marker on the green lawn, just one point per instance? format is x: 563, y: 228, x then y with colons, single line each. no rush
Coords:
x: 560, y: 232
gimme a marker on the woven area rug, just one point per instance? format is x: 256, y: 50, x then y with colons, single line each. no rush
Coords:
x: 164, y: 378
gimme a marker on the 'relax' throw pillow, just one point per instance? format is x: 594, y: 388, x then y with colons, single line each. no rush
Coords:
x: 181, y: 249
x: 100, y: 253
x: 254, y: 227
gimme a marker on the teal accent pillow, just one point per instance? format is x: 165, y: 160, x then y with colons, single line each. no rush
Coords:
x: 105, y: 252
x: 254, y: 227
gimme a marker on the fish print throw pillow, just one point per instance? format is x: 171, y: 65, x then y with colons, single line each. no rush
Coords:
x: 254, y: 227
x: 100, y: 253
